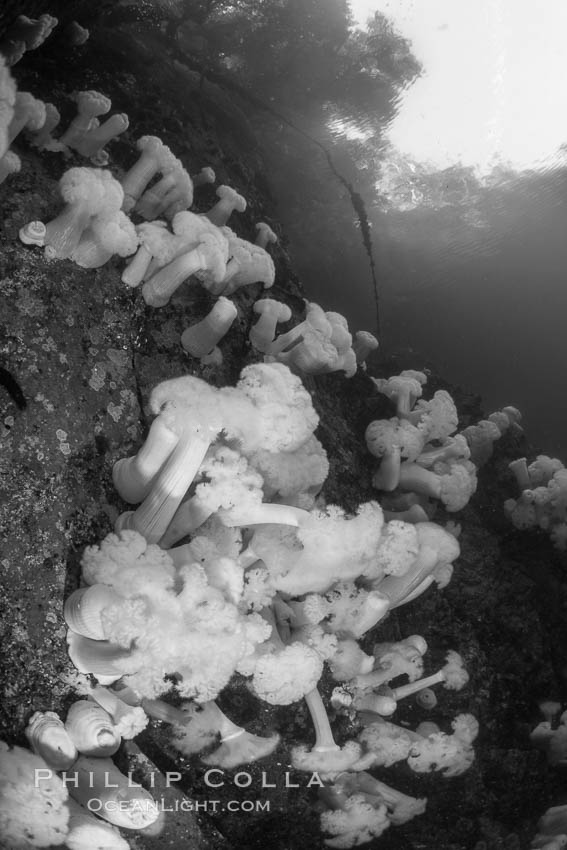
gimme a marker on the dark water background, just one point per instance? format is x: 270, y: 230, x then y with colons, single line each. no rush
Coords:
x: 477, y: 288
x: 472, y: 279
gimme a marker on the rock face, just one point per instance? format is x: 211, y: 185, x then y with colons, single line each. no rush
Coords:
x: 85, y: 351
x: 68, y: 341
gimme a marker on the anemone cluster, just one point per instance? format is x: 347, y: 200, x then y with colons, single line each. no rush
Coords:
x: 227, y: 559
x: 321, y: 343
x: 542, y: 503
x: 551, y: 736
x: 271, y: 584
x: 422, y: 460
x: 172, y: 244
x: 29, y: 33
x: 69, y: 768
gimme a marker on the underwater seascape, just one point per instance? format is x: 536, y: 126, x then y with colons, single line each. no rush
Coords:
x: 283, y: 504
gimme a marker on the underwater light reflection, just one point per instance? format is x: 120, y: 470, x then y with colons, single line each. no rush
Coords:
x: 492, y: 93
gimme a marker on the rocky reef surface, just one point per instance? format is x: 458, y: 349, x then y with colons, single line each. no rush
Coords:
x: 85, y: 351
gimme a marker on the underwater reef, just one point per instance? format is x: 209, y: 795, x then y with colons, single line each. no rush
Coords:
x: 81, y: 354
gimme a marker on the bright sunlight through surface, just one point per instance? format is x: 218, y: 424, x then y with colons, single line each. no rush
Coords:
x: 493, y: 90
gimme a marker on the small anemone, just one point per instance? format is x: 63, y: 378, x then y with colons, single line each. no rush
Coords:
x: 33, y: 233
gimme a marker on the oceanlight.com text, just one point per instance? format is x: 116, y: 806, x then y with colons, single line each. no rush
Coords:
x: 98, y: 806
